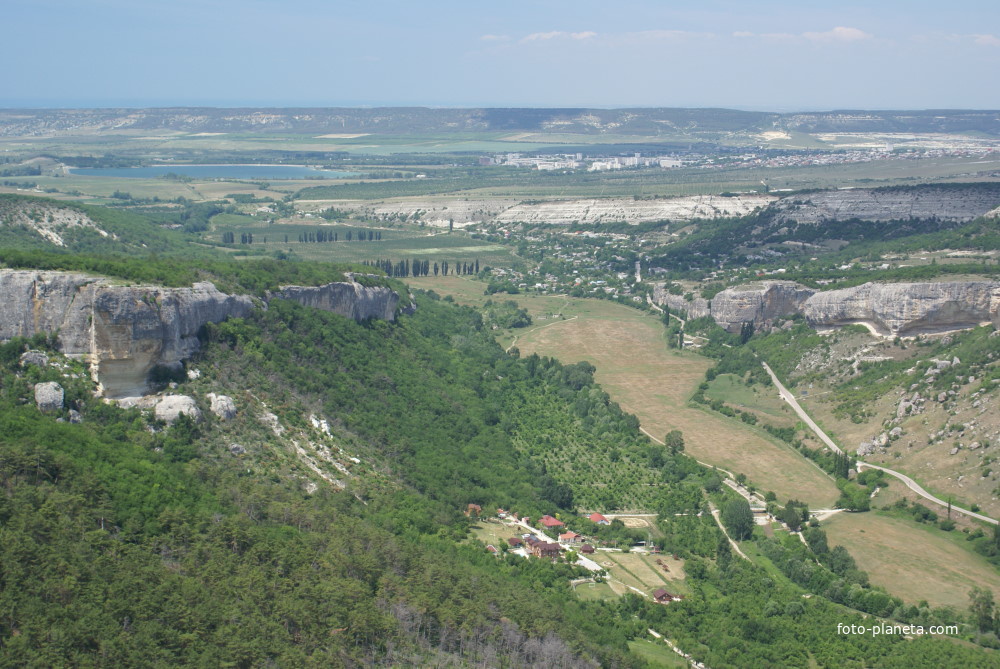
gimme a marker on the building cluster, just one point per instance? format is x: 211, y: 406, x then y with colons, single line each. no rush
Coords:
x: 572, y: 161
x: 634, y: 161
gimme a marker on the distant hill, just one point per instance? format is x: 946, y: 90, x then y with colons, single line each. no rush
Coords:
x: 389, y: 120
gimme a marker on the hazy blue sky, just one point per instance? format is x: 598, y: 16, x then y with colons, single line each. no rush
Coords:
x: 779, y: 55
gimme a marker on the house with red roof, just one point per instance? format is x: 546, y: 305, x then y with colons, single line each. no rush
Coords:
x: 599, y: 519
x: 570, y: 537
x: 550, y: 522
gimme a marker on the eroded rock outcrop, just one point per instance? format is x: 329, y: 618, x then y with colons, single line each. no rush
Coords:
x: 124, y: 332
x: 947, y: 203
x: 888, y: 309
x: 353, y: 299
x: 759, y: 303
x: 907, y: 308
x: 695, y: 308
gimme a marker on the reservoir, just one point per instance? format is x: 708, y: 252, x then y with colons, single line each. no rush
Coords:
x: 249, y: 172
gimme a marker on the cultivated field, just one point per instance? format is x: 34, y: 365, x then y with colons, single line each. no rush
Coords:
x: 912, y: 561
x: 642, y: 572
x: 398, y: 242
x: 637, y: 369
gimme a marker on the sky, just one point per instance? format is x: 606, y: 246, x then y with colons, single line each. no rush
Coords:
x: 776, y: 55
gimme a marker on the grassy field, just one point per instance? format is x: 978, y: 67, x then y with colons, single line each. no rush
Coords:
x: 912, y: 561
x: 657, y: 653
x: 595, y: 591
x: 730, y: 389
x: 642, y: 572
x: 653, y: 382
x: 494, y: 534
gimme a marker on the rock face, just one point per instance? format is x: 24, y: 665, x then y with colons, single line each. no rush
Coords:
x: 907, y: 308
x: 222, y: 406
x: 170, y: 408
x: 49, y: 396
x: 888, y: 309
x: 126, y: 331
x: 347, y: 299
x: 758, y: 303
x: 947, y: 203
x: 634, y: 211
x: 694, y: 309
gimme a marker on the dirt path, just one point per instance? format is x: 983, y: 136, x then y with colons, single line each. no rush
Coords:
x: 718, y: 521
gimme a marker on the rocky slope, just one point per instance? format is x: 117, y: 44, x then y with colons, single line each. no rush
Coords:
x: 887, y: 309
x: 127, y: 331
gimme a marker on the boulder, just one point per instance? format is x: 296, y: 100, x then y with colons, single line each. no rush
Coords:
x: 865, y: 448
x: 49, y: 396
x: 36, y: 358
x: 169, y: 408
x: 75, y: 416
x: 895, y: 433
x: 222, y: 406
x: 236, y: 449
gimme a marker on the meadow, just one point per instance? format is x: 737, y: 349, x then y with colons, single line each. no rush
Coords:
x: 912, y: 561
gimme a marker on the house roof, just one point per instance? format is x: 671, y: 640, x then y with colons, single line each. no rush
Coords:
x: 569, y: 535
x: 586, y: 548
x: 549, y: 521
x: 598, y: 518
x: 660, y: 593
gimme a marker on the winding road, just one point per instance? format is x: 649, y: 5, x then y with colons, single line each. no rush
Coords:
x: 787, y: 396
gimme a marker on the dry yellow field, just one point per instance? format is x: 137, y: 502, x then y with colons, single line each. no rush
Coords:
x: 910, y: 561
x: 653, y: 382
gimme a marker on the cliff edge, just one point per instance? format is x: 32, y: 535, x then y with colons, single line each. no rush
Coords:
x: 126, y: 331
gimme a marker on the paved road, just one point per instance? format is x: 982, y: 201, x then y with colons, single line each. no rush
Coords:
x: 788, y: 397
x: 910, y: 483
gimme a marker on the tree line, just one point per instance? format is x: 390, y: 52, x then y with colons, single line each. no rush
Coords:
x: 405, y: 268
x: 319, y: 236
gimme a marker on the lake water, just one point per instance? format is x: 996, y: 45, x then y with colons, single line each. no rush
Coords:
x: 249, y: 172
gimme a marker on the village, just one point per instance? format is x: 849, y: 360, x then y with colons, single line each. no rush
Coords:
x: 615, y: 566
